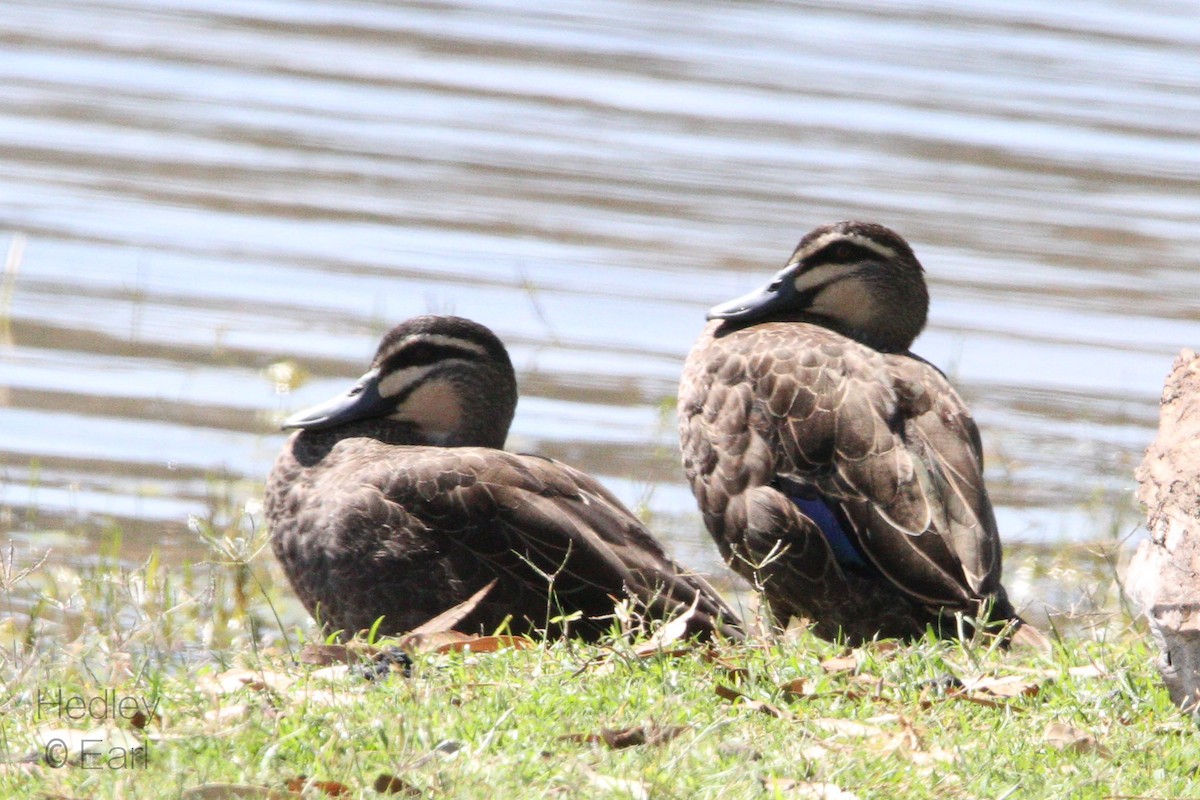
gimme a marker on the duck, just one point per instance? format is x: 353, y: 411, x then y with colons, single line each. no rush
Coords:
x: 394, y: 503
x: 837, y: 471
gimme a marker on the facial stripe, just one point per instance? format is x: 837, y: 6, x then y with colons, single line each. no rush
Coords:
x: 855, y: 240
x: 394, y: 384
x: 399, y: 382
x: 819, y: 276
x: 429, y: 343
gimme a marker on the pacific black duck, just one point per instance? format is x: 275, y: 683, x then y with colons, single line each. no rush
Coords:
x: 836, y: 469
x: 394, y: 500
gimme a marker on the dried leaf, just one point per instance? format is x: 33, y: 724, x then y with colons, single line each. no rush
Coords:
x: 443, y: 749
x: 729, y: 693
x: 336, y: 673
x: 431, y: 642
x: 1004, y: 686
x: 446, y: 620
x: 904, y: 742
x: 334, y: 698
x: 866, y: 679
x: 328, y: 788
x: 1064, y: 737
x: 636, y: 790
x: 886, y: 719
x: 227, y: 715
x: 814, y: 752
x: 234, y: 680
x: 790, y: 787
x: 618, y: 739
x: 803, y: 689
x: 235, y: 791
x: 847, y: 727
x: 1087, y: 671
x: 739, y: 748
x: 927, y: 759
x: 324, y: 655
x: 390, y: 784
x: 141, y: 720
x: 485, y: 644
x: 1082, y: 672
x: 846, y: 663
x: 667, y: 634
x: 60, y: 746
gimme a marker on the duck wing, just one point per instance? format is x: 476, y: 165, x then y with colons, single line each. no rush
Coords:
x: 551, y: 528
x: 881, y: 440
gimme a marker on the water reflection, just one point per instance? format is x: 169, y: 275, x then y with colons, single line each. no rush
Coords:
x: 207, y: 189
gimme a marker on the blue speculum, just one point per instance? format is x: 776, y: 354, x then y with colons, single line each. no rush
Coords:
x: 845, y: 552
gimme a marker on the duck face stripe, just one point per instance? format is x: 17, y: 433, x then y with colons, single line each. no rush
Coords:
x: 429, y: 350
x: 837, y: 247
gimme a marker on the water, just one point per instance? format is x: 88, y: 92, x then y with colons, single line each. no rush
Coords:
x: 192, y: 191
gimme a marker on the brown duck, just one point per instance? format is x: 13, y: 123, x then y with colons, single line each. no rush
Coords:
x: 834, y: 468
x: 395, y: 501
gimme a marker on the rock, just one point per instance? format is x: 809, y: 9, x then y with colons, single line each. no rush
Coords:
x: 1164, y: 575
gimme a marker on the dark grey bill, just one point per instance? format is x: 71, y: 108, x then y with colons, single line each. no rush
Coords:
x: 361, y: 401
x: 777, y: 295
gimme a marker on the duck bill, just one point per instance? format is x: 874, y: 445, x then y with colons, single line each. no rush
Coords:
x: 777, y: 295
x: 360, y: 401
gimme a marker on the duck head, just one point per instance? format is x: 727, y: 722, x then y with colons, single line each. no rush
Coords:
x: 857, y: 278
x: 436, y: 380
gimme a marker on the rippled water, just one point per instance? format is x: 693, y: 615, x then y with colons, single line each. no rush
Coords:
x: 191, y: 191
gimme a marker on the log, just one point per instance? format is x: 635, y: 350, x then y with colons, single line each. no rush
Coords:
x: 1164, y: 575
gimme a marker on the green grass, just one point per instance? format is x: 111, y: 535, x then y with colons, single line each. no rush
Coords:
x: 1089, y: 720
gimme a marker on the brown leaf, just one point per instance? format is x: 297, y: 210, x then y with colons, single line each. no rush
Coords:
x: 1087, y: 671
x: 729, y: 693
x: 904, y: 742
x: 928, y: 759
x: 802, y: 689
x: 227, y: 714
x: 485, y: 644
x: 324, y: 655
x: 846, y: 663
x: 235, y: 791
x: 444, y: 749
x: 635, y: 790
x: 60, y: 746
x: 329, y: 788
x: 335, y: 674
x: 866, y: 679
x: 739, y: 748
x: 140, y: 720
x: 432, y: 642
x: 446, y: 620
x: 790, y: 787
x: 619, y: 739
x: 926, y: 703
x: 847, y: 727
x: 390, y: 784
x: 1004, y: 686
x: 1064, y: 737
x: 814, y: 752
x: 233, y: 680
x: 667, y: 634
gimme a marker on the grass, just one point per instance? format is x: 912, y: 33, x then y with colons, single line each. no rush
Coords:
x: 212, y: 650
